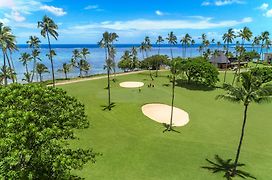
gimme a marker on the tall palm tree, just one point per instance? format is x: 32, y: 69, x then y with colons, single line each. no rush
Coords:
x: 264, y: 39
x: 185, y: 41
x: 75, y: 61
x: 159, y: 41
x: 41, y: 68
x: 49, y: 28
x: 135, y: 62
x: 192, y: 45
x: 251, y: 89
x: 66, y: 68
x: 245, y: 35
x: 175, y: 68
x: 7, y: 42
x: 142, y: 49
x: 172, y: 40
x: 34, y: 43
x: 148, y: 45
x: 204, y: 39
x: 107, y: 43
x: 25, y: 59
x: 228, y: 38
x: 218, y: 44
x: 256, y: 42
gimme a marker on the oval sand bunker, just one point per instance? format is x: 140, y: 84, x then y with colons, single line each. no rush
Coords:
x: 162, y: 113
x: 131, y: 84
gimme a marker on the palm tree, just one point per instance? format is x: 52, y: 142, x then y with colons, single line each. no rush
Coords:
x: 192, y: 45
x: 159, y: 41
x: 172, y: 40
x: 142, y: 49
x: 245, y: 35
x: 34, y: 43
x: 204, y: 39
x: 66, y: 68
x: 175, y: 70
x: 75, y: 61
x: 7, y: 42
x: 218, y: 44
x: 25, y: 59
x: 147, y: 44
x: 251, y: 89
x: 185, y: 41
x: 256, y: 42
x: 107, y: 43
x: 264, y: 39
x: 41, y: 68
x: 49, y: 28
x: 135, y: 62
x: 228, y: 38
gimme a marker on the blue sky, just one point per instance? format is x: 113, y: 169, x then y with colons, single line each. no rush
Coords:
x: 84, y: 21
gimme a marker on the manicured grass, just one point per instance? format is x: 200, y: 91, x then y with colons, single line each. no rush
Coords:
x: 134, y: 147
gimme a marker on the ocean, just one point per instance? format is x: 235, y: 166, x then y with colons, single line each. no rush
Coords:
x: 96, y: 57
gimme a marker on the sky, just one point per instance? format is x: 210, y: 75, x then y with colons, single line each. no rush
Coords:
x: 84, y: 21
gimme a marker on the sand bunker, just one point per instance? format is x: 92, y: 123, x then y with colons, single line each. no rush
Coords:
x: 162, y: 113
x: 131, y: 84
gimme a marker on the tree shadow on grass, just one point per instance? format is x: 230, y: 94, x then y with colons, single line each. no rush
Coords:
x: 193, y: 86
x: 108, y: 107
x: 168, y: 128
x: 227, y: 167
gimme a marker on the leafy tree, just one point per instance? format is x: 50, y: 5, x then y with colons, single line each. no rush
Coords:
x: 228, y: 38
x: 49, y: 28
x: 126, y: 61
x: 199, y: 70
x: 35, y: 124
x: 66, y: 68
x: 251, y: 89
x: 41, y: 69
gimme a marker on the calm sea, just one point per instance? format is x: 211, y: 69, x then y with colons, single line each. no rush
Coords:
x: 96, y: 58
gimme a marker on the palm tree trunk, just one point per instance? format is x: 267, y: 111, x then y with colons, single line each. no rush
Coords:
x: 185, y: 52
x: 241, y: 140
x: 109, y: 92
x: 51, y: 59
x: 5, y: 70
x: 172, y: 104
x: 159, y: 49
x: 226, y: 68
x: 171, y: 52
x: 10, y: 66
x: 66, y: 75
x: 27, y: 77
x: 34, y: 69
x: 40, y: 77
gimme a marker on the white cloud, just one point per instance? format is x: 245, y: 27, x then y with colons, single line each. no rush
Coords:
x: 159, y: 13
x: 222, y: 2
x: 91, y: 7
x: 54, y: 10
x: 263, y: 7
x: 15, y: 16
x: 205, y: 3
x: 6, y: 3
x: 268, y: 13
x: 145, y: 24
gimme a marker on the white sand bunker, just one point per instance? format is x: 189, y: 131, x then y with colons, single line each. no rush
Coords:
x: 162, y: 113
x: 131, y: 84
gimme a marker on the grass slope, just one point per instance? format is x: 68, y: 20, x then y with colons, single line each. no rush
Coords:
x: 134, y: 146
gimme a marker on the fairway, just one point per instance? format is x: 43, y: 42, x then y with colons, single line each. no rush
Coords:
x: 135, y: 147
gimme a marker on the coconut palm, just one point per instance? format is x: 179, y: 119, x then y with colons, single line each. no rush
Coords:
x: 228, y: 38
x: 25, y: 59
x: 264, y: 39
x: 256, y: 42
x: 107, y: 43
x: 192, y: 45
x: 135, y: 61
x: 148, y: 45
x: 245, y: 34
x: 185, y: 41
x: 41, y: 68
x: 218, y: 44
x: 251, y: 89
x: 66, y: 68
x: 159, y: 41
x: 75, y: 60
x: 175, y: 68
x: 7, y: 42
x: 49, y: 28
x: 142, y: 49
x: 34, y: 43
x: 172, y: 40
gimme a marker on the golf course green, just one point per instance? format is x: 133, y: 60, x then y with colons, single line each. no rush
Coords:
x: 135, y: 147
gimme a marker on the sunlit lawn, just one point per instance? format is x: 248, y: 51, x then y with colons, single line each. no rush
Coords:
x: 134, y: 147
